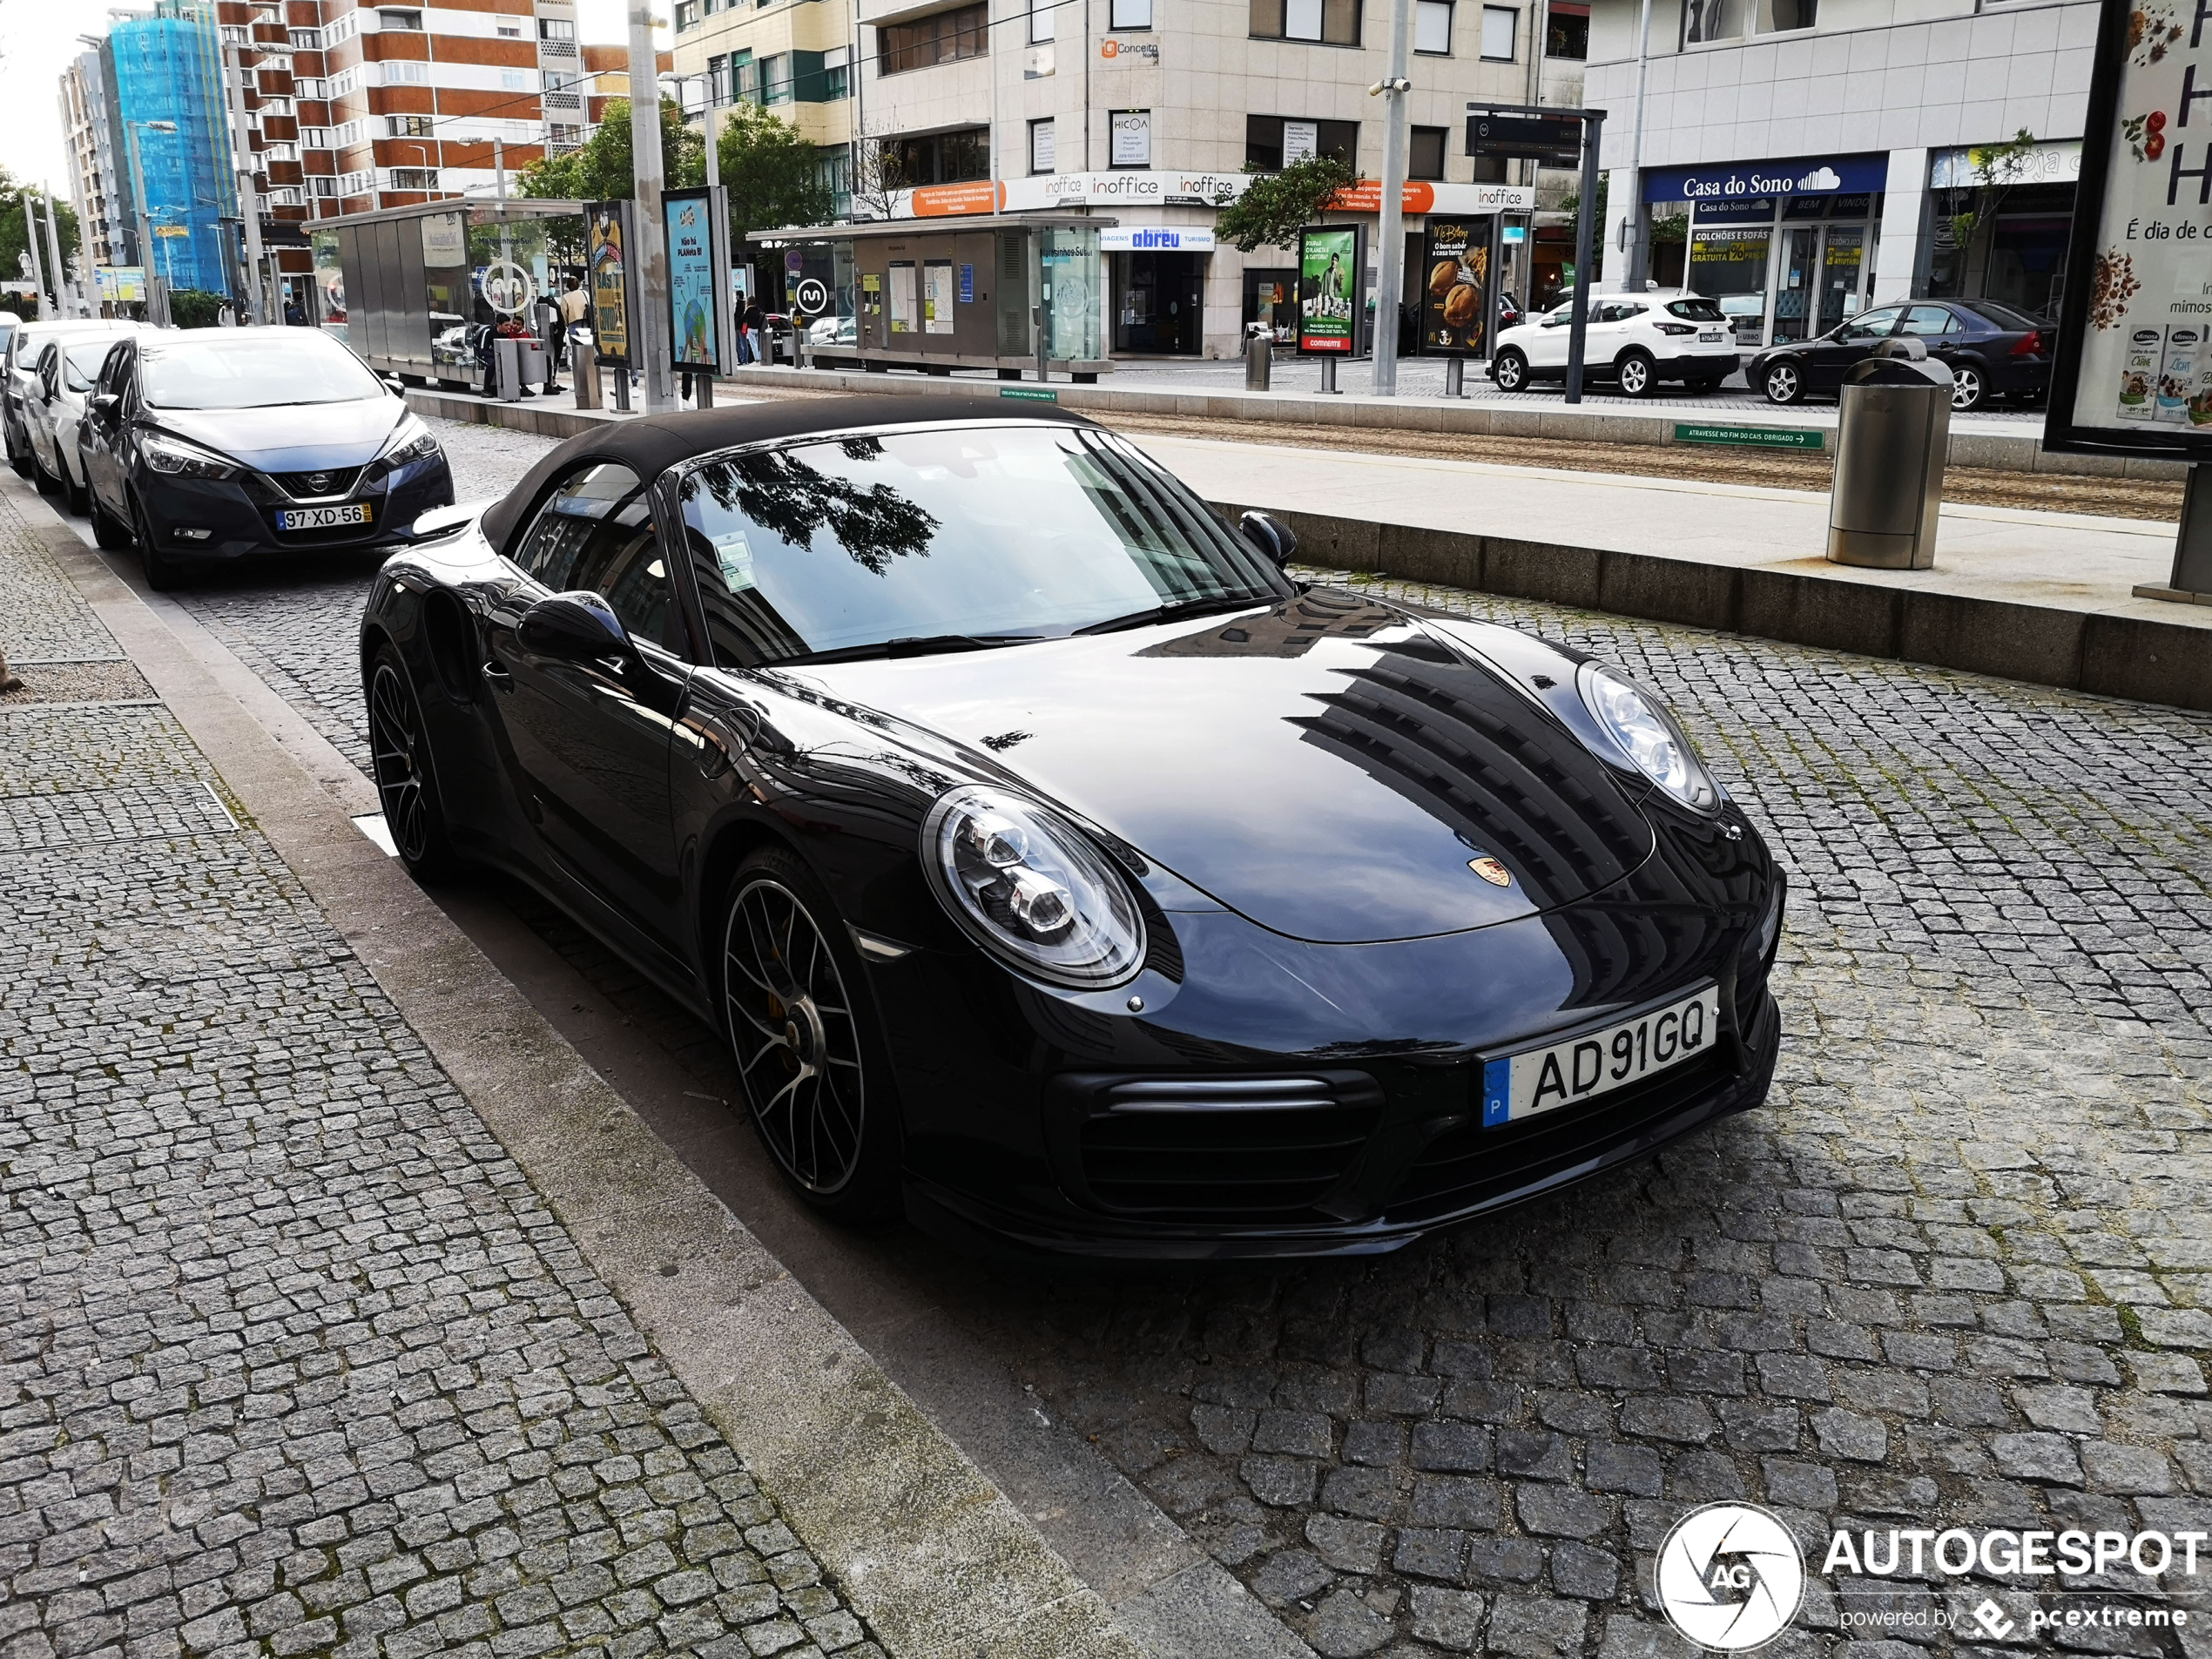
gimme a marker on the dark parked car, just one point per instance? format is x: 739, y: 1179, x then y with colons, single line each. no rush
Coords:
x: 1055, y: 865
x: 1994, y: 351
x: 220, y: 444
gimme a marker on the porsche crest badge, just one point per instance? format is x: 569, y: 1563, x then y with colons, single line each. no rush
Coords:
x: 1491, y: 870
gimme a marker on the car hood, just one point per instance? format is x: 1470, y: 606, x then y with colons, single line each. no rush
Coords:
x: 292, y: 437
x: 1328, y: 767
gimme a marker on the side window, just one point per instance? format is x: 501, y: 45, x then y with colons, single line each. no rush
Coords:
x: 49, y: 362
x: 1620, y: 313
x: 1928, y: 320
x: 1872, y: 325
x: 596, y: 531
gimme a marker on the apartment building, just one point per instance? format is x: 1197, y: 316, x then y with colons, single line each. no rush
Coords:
x: 99, y: 188
x: 1803, y: 160
x: 792, y: 57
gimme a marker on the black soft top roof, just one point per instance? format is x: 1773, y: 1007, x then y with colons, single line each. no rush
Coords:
x: 649, y: 447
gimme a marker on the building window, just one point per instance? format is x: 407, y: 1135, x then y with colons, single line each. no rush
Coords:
x: 1567, y: 33
x: 1130, y: 14
x: 1042, y: 15
x: 314, y: 138
x: 413, y: 178
x: 1432, y: 27
x: 509, y: 27
x: 775, y: 79
x: 1130, y: 137
x: 1272, y: 142
x: 391, y: 18
x: 323, y: 185
x: 1706, y: 20
x: 687, y: 14
x: 512, y: 80
x: 407, y: 126
x: 276, y: 106
x: 1043, y: 146
x: 943, y: 38
x: 942, y: 157
x: 564, y: 135
x: 556, y: 29
x: 1500, y: 31
x: 1777, y: 16
x: 339, y: 29
x: 305, y: 40
x: 837, y: 83
x: 1425, y: 158
x: 1328, y: 22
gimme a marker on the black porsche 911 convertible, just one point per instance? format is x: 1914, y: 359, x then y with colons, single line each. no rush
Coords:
x: 1059, y: 869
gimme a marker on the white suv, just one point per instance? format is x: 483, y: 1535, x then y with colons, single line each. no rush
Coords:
x: 1636, y: 340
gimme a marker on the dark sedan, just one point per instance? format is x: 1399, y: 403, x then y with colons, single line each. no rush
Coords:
x: 1992, y: 350
x: 221, y: 444
x: 1058, y: 869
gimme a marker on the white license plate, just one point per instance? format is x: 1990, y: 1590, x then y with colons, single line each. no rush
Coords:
x: 1566, y: 1074
x: 323, y: 518
x: 1709, y: 340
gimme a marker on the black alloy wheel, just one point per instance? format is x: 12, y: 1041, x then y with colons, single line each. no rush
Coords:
x: 1638, y: 374
x: 1510, y: 372
x: 162, y: 572
x: 399, y: 754
x: 791, y: 986
x: 1782, y: 384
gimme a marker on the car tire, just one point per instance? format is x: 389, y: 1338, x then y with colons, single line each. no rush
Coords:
x: 46, y: 482
x: 800, y: 1022
x: 404, y: 770
x: 1637, y: 375
x: 1969, y: 388
x: 1509, y: 372
x: 1781, y: 383
x: 108, y: 531
x: 19, y: 458
x: 162, y: 571
x: 77, y: 497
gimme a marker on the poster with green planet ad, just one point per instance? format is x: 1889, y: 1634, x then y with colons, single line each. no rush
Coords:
x: 691, y: 282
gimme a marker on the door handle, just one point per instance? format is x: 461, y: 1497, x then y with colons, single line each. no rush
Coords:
x: 497, y: 677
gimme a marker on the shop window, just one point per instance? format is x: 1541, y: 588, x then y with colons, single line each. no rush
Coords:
x: 1567, y: 33
x: 1433, y: 28
x: 1500, y: 31
x: 945, y: 38
x: 1425, y: 158
x: 1273, y: 142
x: 1043, y: 146
x: 1327, y: 22
x: 1130, y: 14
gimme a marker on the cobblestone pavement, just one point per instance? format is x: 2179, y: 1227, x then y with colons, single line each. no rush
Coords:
x: 1956, y: 1274
x: 292, y: 1358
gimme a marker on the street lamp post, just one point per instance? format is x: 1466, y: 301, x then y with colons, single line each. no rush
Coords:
x: 157, y: 288
x: 54, y: 255
x: 652, y: 246
x: 249, y: 200
x: 1390, y: 279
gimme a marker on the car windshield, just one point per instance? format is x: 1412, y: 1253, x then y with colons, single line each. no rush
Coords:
x: 81, y: 364
x: 1697, y: 308
x: 945, y: 537
x: 255, y: 371
x: 2003, y: 316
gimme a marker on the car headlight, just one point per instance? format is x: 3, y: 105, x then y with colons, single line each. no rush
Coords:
x: 410, y: 441
x: 179, y: 458
x: 1030, y: 889
x: 1648, y: 734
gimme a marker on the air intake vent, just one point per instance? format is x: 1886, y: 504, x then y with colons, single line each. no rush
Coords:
x: 1223, y: 1147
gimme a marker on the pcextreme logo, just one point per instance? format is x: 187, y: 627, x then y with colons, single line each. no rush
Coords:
x: 1730, y: 1576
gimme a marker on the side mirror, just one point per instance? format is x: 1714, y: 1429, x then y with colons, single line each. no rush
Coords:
x: 1271, y: 536
x: 575, y: 628
x: 104, y: 408
x: 398, y: 386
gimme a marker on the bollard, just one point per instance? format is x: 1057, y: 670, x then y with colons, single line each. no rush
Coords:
x: 1328, y: 374
x: 1456, y: 370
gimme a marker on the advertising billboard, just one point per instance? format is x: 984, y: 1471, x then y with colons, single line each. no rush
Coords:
x: 2132, y: 373
x: 1332, y: 265
x: 1456, y: 308
x: 698, y: 284
x: 607, y: 241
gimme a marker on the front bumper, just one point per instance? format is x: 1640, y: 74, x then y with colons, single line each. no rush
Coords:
x: 237, y: 514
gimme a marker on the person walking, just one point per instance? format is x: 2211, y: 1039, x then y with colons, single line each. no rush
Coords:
x: 754, y: 320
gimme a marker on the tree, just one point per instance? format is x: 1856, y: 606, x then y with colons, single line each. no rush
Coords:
x: 774, y: 176
x: 1275, y: 207
x: 1997, y: 168
x: 195, y: 307
x: 879, y: 179
x: 606, y: 169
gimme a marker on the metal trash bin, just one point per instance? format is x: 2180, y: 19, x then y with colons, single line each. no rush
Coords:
x: 1893, y: 439
x: 1259, y: 358
x: 584, y: 370
x: 517, y: 364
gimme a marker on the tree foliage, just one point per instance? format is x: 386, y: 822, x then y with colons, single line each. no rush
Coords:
x: 1276, y: 206
x: 15, y: 234
x: 195, y: 307
x: 773, y: 175
x: 1997, y: 168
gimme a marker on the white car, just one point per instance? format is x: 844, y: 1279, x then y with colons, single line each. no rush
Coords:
x: 18, y: 376
x: 61, y: 382
x: 1634, y: 339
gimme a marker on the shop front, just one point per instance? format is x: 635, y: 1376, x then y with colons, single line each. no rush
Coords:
x: 1786, y: 247
x: 1158, y: 274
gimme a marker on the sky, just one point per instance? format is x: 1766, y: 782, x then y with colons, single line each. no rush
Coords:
x: 39, y: 37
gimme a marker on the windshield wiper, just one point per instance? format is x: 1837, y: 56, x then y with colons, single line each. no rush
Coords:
x: 1169, y: 613
x: 913, y: 645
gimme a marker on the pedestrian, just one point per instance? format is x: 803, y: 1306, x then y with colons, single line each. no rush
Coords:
x: 575, y: 309
x: 755, y: 319
x: 295, y: 314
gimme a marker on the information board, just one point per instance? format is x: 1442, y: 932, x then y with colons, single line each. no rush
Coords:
x: 698, y: 286
x: 607, y: 243
x: 1332, y: 289
x: 1456, y: 309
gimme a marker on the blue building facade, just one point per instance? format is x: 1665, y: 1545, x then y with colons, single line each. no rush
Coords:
x: 169, y: 68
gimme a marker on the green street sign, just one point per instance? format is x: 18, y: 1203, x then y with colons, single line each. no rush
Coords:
x: 1754, y: 437
x: 1034, y: 394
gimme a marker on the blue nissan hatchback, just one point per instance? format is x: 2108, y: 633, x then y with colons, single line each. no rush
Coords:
x: 220, y: 444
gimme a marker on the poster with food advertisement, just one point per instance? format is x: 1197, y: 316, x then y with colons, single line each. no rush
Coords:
x: 2134, y: 369
x: 1331, y: 261
x: 606, y: 230
x: 1455, y: 310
